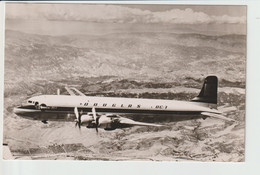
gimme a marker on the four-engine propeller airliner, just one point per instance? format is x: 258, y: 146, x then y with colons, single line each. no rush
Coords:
x: 105, y: 112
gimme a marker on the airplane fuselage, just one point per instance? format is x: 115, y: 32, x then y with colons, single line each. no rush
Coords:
x: 108, y: 112
x: 61, y: 107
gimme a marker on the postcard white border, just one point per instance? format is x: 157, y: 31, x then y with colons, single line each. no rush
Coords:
x: 252, y: 150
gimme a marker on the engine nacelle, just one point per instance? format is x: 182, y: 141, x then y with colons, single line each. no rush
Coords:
x: 86, y: 120
x: 108, y: 123
x: 109, y: 129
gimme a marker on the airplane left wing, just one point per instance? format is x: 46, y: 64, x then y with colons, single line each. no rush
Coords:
x: 127, y: 121
x: 118, y: 119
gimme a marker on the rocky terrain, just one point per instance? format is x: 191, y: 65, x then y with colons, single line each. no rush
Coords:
x: 135, y: 64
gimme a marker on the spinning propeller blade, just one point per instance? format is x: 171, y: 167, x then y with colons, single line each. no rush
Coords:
x: 96, y: 119
x: 78, y: 120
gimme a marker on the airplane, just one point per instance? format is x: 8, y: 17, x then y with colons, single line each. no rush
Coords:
x: 105, y: 112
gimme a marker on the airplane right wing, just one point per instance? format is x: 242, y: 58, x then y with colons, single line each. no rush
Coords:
x: 80, y: 93
x: 71, y: 89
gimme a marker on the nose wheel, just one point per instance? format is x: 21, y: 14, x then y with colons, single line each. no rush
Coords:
x: 37, y: 105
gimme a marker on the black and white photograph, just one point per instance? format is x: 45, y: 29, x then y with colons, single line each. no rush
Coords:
x: 124, y: 82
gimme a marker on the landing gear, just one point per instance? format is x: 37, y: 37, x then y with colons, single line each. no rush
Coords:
x: 37, y: 105
x: 45, y: 121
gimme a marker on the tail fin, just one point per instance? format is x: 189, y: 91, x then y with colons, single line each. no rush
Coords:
x: 209, y: 91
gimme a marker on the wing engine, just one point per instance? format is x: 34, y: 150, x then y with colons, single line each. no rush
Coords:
x: 107, y: 122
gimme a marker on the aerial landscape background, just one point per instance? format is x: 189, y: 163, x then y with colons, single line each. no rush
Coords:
x: 136, y: 52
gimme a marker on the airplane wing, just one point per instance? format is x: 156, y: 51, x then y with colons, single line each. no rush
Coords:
x: 80, y: 93
x: 208, y: 114
x: 71, y: 89
x: 127, y: 121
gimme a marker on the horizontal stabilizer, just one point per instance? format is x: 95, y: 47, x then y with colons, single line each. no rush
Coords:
x: 135, y: 123
x: 227, y: 109
x: 217, y: 116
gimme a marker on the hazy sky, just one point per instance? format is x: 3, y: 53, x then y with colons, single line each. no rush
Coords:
x: 171, y: 14
x: 217, y: 10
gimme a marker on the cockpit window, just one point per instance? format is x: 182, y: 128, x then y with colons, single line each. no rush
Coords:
x: 29, y: 101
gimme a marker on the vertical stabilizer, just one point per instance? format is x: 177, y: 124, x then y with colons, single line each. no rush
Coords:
x: 209, y: 91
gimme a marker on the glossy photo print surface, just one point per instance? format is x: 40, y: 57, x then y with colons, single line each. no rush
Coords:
x: 123, y: 82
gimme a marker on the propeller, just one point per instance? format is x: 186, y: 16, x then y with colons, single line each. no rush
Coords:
x: 96, y: 119
x: 78, y: 120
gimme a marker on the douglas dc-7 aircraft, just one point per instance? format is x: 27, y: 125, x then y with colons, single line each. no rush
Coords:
x: 104, y: 112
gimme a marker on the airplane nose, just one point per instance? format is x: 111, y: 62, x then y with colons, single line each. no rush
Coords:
x: 20, y: 111
x: 16, y: 110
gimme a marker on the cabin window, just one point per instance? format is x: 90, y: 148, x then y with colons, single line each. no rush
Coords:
x: 86, y: 104
x: 113, y: 105
x: 95, y: 104
x: 130, y: 105
x: 138, y: 106
x: 104, y: 104
x: 158, y: 107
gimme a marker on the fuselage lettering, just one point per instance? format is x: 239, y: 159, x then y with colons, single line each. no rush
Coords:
x: 123, y: 105
x: 161, y: 107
